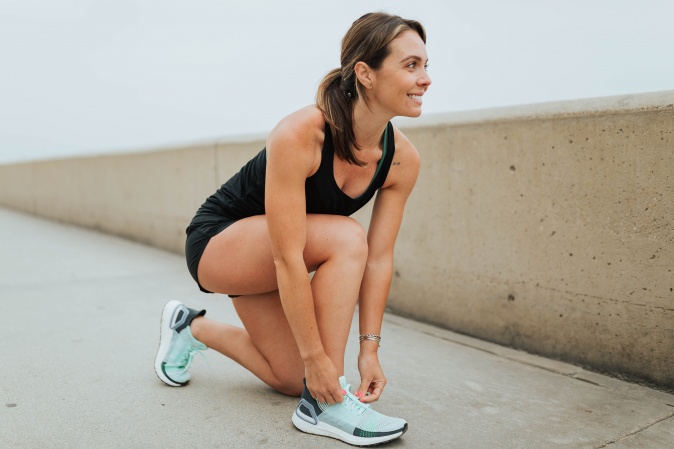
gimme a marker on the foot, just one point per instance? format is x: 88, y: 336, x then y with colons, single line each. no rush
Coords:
x: 351, y: 421
x: 177, y: 346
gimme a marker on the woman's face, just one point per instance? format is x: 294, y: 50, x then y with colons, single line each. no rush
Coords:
x: 402, y: 79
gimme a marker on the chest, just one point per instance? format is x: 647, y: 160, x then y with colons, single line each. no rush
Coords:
x: 352, y: 179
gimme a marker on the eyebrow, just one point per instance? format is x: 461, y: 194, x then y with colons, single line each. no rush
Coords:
x: 415, y: 57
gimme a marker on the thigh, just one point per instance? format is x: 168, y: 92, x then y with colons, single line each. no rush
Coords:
x: 239, y: 260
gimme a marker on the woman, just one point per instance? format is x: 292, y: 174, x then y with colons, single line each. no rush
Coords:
x: 285, y: 214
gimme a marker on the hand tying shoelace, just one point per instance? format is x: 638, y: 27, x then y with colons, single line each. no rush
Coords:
x: 353, y: 403
x: 351, y: 420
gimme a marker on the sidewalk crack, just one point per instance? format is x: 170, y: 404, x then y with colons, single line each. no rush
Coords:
x: 574, y: 376
x: 601, y: 446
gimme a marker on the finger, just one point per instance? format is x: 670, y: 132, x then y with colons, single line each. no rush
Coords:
x: 335, y: 396
x: 319, y: 397
x: 364, y: 385
x: 324, y: 395
x: 312, y: 394
x: 371, y: 397
x: 378, y: 388
x: 375, y: 394
x: 339, y: 396
x: 333, y: 399
x: 367, y: 398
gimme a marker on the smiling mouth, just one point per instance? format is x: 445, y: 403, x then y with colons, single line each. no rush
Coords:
x: 415, y: 97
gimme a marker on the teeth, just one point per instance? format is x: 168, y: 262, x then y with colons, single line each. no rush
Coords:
x: 415, y: 97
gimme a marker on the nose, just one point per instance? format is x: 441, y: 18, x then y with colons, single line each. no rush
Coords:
x: 424, y: 80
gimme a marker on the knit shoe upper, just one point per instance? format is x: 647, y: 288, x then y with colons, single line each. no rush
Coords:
x: 352, y: 421
x: 177, y: 345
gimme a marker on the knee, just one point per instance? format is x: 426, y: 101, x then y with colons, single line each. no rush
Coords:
x: 290, y: 387
x: 333, y: 237
x: 353, y: 240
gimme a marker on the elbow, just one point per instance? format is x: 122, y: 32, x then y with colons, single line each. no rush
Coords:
x: 285, y: 263
x: 384, y: 263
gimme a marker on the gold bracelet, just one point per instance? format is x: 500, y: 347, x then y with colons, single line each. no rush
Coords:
x: 373, y: 337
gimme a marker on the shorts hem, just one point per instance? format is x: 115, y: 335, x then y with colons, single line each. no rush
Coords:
x: 195, y: 245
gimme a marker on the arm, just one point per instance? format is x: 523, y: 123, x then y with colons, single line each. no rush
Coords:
x: 291, y: 156
x: 386, y: 218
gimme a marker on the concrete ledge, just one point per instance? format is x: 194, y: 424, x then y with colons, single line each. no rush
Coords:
x: 547, y: 229
x: 620, y: 104
x: 543, y: 227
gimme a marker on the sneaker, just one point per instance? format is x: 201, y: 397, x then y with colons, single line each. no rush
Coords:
x: 351, y: 421
x: 177, y: 345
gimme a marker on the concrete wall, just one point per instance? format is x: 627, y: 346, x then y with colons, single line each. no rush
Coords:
x: 546, y: 227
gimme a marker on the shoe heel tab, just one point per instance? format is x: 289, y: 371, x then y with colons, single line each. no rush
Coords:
x: 195, y: 314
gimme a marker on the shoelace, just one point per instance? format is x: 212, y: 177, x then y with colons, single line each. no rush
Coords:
x: 353, y: 402
x: 185, y: 362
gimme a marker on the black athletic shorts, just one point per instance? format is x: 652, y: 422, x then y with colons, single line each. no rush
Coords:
x: 199, y: 233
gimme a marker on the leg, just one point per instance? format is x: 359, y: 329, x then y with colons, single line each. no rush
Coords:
x: 239, y: 261
x: 282, y: 367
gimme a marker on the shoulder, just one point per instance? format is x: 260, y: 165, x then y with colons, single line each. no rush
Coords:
x: 405, y: 165
x: 298, y: 138
x: 303, y: 127
x: 404, y: 147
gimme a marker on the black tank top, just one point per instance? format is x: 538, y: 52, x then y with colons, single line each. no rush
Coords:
x: 243, y: 194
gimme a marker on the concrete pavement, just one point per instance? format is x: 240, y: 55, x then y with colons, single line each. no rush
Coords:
x: 80, y: 318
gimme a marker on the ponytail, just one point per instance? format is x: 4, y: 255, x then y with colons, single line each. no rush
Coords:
x: 334, y: 98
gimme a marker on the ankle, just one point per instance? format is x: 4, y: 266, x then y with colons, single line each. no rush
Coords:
x: 196, y: 327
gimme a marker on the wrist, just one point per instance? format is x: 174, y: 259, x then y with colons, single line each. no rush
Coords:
x: 370, y: 337
x: 369, y: 347
x: 312, y: 355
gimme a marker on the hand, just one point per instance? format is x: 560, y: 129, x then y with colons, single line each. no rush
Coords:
x: 322, y: 380
x: 372, y: 378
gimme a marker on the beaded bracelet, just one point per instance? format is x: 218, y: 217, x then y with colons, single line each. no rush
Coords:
x: 373, y: 337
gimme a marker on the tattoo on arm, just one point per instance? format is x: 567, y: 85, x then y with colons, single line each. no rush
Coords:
x: 395, y: 163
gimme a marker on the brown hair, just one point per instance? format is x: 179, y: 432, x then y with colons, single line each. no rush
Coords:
x: 367, y: 40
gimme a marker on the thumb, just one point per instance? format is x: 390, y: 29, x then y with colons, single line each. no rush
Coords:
x: 364, y: 385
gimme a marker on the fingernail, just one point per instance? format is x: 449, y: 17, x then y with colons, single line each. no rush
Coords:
x: 359, y: 394
x: 344, y: 392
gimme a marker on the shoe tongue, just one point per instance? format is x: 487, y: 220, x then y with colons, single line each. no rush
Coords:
x: 342, y: 382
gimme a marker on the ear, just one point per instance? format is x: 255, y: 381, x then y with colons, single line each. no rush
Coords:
x: 364, y: 74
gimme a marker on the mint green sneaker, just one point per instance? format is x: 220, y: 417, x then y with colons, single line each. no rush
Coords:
x: 351, y: 421
x: 177, y: 345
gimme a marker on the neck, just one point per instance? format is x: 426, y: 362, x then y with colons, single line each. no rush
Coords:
x: 368, y: 126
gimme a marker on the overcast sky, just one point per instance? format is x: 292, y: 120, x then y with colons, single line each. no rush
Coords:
x: 99, y: 76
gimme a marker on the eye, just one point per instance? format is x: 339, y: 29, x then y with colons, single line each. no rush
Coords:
x: 411, y: 65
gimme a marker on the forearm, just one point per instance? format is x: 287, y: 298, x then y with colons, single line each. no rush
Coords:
x: 320, y: 374
x: 298, y: 305
x: 373, y: 295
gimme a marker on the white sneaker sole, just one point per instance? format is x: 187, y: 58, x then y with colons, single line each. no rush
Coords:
x: 327, y: 430
x: 165, y: 337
